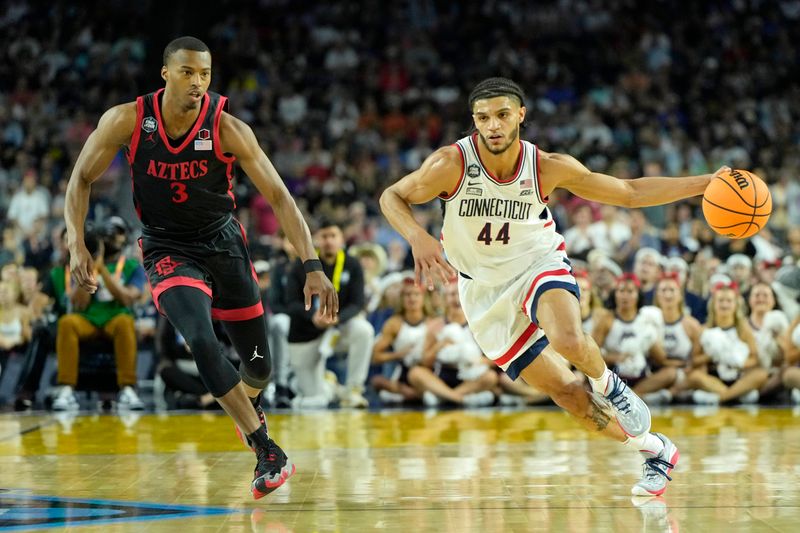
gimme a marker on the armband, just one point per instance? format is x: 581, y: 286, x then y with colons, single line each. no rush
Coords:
x: 312, y: 265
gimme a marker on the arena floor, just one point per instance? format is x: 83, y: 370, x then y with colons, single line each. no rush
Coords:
x: 454, y: 471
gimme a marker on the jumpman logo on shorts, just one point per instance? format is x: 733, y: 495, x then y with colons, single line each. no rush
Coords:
x: 256, y: 355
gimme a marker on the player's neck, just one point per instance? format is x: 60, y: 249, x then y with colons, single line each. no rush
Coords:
x: 177, y: 119
x: 503, y: 165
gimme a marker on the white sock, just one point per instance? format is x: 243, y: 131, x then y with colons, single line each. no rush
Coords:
x: 599, y: 384
x: 647, y: 444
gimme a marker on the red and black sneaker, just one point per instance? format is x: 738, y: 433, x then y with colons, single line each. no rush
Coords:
x: 261, y: 418
x: 272, y: 470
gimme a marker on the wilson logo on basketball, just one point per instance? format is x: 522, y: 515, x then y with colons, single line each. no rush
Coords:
x: 741, y: 181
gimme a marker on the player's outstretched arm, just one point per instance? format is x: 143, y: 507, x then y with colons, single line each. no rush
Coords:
x: 114, y: 130
x: 564, y: 171
x: 238, y: 139
x: 439, y: 174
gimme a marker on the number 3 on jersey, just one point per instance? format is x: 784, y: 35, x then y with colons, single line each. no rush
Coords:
x: 179, y: 190
x: 486, y: 234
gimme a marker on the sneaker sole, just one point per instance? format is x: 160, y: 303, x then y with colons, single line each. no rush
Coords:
x: 645, y: 492
x: 287, y: 472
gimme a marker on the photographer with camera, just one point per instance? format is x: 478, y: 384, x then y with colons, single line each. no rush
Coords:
x: 106, y: 313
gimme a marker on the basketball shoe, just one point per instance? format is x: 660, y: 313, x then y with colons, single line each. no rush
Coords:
x: 656, y: 470
x: 631, y: 412
x: 261, y: 418
x: 272, y: 469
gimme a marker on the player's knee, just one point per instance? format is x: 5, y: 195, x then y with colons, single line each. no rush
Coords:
x: 202, y: 345
x: 569, y: 343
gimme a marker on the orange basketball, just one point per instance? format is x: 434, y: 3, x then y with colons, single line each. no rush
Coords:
x: 737, y: 204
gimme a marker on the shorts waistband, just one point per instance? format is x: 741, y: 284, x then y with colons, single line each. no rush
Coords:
x: 194, y: 235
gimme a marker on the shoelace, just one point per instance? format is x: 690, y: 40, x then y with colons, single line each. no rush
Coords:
x: 270, y: 454
x: 617, y: 396
x: 652, y: 468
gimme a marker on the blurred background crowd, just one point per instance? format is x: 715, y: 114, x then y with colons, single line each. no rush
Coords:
x: 347, y: 97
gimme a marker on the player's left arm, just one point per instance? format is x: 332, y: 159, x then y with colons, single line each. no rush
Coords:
x: 566, y: 172
x: 237, y: 138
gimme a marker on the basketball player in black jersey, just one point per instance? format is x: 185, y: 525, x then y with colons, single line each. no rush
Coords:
x: 181, y: 145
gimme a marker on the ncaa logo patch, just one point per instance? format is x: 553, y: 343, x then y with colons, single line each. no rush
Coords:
x: 473, y: 171
x: 149, y: 124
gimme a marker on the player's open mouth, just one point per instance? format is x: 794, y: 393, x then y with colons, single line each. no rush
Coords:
x: 495, y: 137
x: 197, y: 95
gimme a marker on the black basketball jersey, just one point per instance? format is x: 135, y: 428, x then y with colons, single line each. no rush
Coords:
x: 180, y: 186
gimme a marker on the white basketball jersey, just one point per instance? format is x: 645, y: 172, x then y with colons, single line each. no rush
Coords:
x: 495, y: 230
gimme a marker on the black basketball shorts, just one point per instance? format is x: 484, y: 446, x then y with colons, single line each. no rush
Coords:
x: 214, y: 260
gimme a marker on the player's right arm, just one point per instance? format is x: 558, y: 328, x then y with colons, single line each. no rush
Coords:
x: 438, y: 175
x: 113, y: 131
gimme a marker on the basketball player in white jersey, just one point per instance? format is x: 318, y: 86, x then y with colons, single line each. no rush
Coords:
x: 515, y: 279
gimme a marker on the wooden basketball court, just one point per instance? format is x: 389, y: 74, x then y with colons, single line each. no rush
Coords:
x: 454, y: 471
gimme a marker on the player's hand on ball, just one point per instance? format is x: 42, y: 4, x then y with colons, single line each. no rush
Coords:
x: 82, y: 267
x: 317, y: 283
x: 720, y: 171
x: 429, y: 263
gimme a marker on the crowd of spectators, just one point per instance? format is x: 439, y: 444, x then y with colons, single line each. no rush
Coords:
x: 347, y: 97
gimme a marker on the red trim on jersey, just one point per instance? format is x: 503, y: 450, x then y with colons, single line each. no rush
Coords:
x: 243, y: 313
x: 229, y: 175
x: 548, y: 224
x: 252, y: 267
x: 559, y: 272
x: 517, y: 346
x: 544, y: 199
x: 489, y: 172
x: 192, y: 133
x: 137, y: 132
x: 215, y: 134
x: 461, y: 178
x: 136, y: 205
x: 562, y: 247
x: 179, y: 281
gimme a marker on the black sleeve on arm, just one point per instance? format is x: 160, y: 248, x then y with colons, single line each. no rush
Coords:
x: 351, y: 299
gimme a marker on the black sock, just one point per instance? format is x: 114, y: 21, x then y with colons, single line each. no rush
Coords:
x: 259, y: 438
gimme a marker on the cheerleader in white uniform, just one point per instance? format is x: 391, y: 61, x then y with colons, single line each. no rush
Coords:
x: 769, y: 325
x: 401, y: 339
x: 730, y: 368
x: 680, y: 342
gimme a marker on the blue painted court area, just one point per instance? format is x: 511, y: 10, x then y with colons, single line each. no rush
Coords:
x: 28, y: 512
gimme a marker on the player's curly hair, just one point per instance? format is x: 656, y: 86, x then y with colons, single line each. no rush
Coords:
x: 186, y: 42
x: 492, y: 87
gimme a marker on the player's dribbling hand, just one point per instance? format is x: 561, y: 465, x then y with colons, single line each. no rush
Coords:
x: 429, y: 263
x: 317, y: 283
x: 82, y: 267
x: 724, y: 169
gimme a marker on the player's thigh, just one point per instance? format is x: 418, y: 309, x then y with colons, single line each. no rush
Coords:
x: 547, y: 373
x: 558, y: 309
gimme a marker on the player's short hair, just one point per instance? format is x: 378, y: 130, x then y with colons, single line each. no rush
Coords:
x: 186, y: 42
x: 493, y: 87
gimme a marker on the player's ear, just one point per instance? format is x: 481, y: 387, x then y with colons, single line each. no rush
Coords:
x: 522, y: 111
x: 164, y: 72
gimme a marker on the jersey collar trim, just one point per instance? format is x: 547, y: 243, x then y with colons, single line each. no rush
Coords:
x: 192, y: 133
x: 474, y: 140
